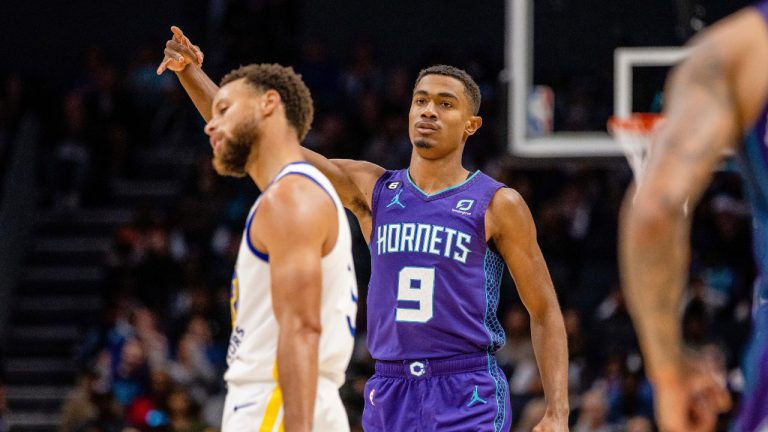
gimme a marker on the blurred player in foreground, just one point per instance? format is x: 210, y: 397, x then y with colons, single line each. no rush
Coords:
x: 716, y: 97
x: 440, y: 237
x: 294, y: 289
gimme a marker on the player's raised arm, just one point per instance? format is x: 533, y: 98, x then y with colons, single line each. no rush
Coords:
x: 511, y: 228
x: 186, y: 59
x: 353, y: 180
x: 297, y: 222
x: 711, y: 98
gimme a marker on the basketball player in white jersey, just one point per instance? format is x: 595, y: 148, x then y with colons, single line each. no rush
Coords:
x: 293, y: 292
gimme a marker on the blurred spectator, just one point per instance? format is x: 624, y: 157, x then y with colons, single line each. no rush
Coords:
x: 390, y: 147
x: 577, y: 347
x: 399, y: 87
x: 73, y: 154
x: 518, y: 347
x: 192, y: 367
x: 593, y: 413
x: 517, y: 360
x: 320, y: 73
x: 613, y: 330
x: 144, y: 84
x: 728, y: 268
x: 176, y: 124
x: 329, y: 136
x: 130, y: 372
x: 696, y: 317
x: 183, y: 412
x: 625, y: 388
x: 639, y: 424
x: 142, y: 412
x: 362, y: 74
x: 155, y: 344
x: 79, y: 408
x: 83, y: 405
x: 108, y: 418
x: 532, y: 414
x: 90, y: 407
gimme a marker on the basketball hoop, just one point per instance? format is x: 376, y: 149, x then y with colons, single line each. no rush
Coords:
x: 634, y: 135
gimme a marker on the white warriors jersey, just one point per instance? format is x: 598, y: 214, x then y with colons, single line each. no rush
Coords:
x: 252, y: 351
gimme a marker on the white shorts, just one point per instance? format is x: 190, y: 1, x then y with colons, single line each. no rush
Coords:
x: 258, y: 407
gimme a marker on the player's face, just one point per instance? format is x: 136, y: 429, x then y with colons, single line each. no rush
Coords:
x: 234, y: 129
x: 440, y: 117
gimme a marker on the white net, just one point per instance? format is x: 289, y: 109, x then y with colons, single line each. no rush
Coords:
x: 634, y: 135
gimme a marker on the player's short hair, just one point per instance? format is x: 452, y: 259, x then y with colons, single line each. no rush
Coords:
x: 284, y: 80
x: 470, y: 86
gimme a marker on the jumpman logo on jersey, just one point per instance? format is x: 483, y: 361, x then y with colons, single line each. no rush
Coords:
x: 396, y: 200
x: 475, y: 398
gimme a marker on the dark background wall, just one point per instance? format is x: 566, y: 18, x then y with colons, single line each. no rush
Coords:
x: 405, y: 30
x: 48, y: 37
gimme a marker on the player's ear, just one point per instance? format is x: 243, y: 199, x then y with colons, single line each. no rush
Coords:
x: 269, y: 101
x: 473, y: 124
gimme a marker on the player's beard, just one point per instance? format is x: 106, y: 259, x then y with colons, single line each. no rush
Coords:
x: 422, y: 143
x: 235, y: 152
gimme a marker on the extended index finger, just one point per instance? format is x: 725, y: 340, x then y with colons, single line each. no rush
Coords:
x: 163, y: 66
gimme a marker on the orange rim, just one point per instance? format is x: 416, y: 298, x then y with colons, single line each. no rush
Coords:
x: 637, y: 122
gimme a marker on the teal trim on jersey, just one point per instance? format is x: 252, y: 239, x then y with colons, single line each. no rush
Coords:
x: 492, y: 284
x: 501, y: 393
x: 485, y: 316
x: 408, y: 174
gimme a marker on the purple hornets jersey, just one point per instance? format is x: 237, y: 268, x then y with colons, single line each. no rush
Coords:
x: 434, y: 285
x: 753, y: 157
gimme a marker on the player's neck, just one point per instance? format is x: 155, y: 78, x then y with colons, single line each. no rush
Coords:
x: 276, y: 151
x: 434, y: 175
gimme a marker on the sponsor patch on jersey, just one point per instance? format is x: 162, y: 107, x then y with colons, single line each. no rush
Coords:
x: 463, y: 207
x: 393, y: 185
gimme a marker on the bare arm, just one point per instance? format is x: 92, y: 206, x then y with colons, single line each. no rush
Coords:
x: 186, y: 59
x: 706, y: 113
x: 294, y: 223
x: 200, y: 88
x: 513, y: 232
x: 353, y: 180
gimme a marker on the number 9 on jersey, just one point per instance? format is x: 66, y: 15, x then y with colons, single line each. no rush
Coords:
x: 416, y: 284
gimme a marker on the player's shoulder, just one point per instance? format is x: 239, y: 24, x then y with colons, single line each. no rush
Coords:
x: 507, y: 212
x: 387, y: 176
x: 296, y: 197
x: 506, y: 200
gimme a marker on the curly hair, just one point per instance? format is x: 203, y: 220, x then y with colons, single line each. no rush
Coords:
x: 294, y: 93
x: 470, y: 86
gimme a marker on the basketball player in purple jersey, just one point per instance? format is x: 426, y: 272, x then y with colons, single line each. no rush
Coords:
x: 718, y: 95
x: 439, y: 237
